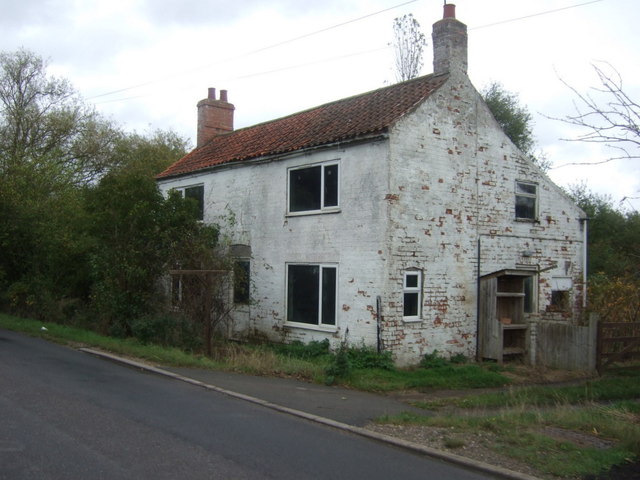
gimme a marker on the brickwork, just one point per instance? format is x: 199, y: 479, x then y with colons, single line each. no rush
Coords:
x: 453, y: 175
x: 438, y: 195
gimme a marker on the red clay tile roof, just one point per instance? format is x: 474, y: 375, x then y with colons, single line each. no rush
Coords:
x: 346, y: 119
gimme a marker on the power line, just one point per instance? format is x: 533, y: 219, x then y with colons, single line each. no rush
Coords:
x: 266, y: 72
x: 253, y: 52
x: 534, y: 15
x: 294, y: 39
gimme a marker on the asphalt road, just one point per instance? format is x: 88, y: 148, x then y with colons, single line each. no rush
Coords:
x: 68, y: 415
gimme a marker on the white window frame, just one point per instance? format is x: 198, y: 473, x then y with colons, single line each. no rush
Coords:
x: 417, y: 290
x: 313, y: 326
x: 323, y: 208
x: 535, y: 197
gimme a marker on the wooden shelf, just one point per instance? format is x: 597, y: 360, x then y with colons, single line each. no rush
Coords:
x: 512, y: 351
x: 514, y: 326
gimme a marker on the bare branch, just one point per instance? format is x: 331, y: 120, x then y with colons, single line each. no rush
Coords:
x: 607, y: 115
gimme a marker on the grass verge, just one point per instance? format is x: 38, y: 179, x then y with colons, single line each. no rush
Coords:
x: 562, y: 432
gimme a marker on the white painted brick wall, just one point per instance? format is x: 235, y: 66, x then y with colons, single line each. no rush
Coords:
x: 453, y: 174
x: 444, y: 180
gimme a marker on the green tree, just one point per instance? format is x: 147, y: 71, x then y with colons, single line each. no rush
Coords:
x: 515, y: 119
x: 408, y: 46
x: 613, y: 235
x: 46, y: 131
x: 50, y: 146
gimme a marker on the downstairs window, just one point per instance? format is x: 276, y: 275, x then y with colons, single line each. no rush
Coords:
x: 311, y: 294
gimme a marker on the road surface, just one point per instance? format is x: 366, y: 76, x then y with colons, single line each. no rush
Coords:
x: 65, y: 414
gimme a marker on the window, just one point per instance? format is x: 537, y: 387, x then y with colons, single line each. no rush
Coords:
x: 526, y: 200
x: 313, y: 189
x: 311, y: 294
x: 412, y: 295
x: 241, y: 281
x: 560, y: 294
x: 195, y: 192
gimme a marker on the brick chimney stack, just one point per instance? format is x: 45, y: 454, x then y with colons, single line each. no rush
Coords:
x: 215, y: 117
x: 449, y: 43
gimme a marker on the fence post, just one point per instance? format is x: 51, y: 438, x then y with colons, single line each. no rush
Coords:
x: 599, y: 345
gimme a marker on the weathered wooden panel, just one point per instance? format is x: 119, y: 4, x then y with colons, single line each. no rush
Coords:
x: 571, y: 347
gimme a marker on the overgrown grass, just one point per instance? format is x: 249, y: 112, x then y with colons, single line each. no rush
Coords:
x: 526, y: 425
x: 422, y: 379
x: 624, y: 385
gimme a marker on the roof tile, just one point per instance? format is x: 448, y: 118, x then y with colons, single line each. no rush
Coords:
x: 365, y: 114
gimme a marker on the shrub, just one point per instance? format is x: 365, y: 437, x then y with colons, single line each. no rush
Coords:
x: 434, y: 360
x: 166, y: 329
x: 368, y: 357
x: 340, y: 366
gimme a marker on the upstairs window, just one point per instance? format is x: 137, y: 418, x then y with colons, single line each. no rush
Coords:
x: 526, y: 201
x: 412, y: 300
x: 313, y: 189
x: 311, y: 294
x: 196, y: 193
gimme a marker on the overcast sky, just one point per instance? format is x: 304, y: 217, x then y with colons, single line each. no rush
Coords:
x: 146, y: 63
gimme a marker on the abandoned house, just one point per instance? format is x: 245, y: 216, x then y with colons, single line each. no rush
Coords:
x: 403, y: 219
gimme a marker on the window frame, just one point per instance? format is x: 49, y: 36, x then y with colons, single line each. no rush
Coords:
x: 183, y: 194
x: 323, y: 208
x: 242, y: 284
x: 407, y: 290
x: 320, y: 313
x: 561, y: 296
x: 522, y: 194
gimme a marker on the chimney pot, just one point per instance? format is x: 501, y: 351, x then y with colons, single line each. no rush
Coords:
x: 449, y: 10
x: 223, y: 95
x: 212, y: 94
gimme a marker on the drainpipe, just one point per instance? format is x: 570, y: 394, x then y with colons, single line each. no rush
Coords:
x: 379, y: 322
x: 585, y: 223
x: 478, y: 305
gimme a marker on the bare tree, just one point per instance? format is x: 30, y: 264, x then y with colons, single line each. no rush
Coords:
x: 204, y: 296
x: 408, y: 44
x: 607, y: 115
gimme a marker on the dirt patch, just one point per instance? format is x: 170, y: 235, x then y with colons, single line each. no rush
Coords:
x: 475, y: 446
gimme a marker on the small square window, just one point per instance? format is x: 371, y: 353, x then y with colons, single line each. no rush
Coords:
x: 560, y: 294
x: 526, y: 200
x: 412, y: 295
x: 313, y: 189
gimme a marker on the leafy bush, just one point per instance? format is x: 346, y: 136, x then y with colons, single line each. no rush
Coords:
x: 459, y: 359
x: 368, y: 357
x: 434, y: 360
x: 167, y: 330
x: 340, y: 366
